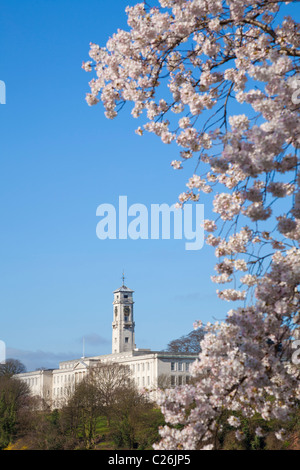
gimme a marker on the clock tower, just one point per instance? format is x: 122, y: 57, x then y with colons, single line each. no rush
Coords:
x: 123, y: 324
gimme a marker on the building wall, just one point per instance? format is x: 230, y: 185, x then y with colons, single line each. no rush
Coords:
x: 39, y: 383
x: 150, y: 370
x: 123, y: 337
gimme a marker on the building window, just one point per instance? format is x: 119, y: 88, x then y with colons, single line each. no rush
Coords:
x: 172, y: 365
x: 180, y: 366
x: 180, y: 380
x: 125, y: 296
x: 126, y: 311
x: 173, y: 380
x: 126, y: 340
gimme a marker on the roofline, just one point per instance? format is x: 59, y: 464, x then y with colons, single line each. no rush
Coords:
x: 123, y: 289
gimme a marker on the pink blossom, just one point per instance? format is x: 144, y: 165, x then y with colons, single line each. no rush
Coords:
x: 192, y: 70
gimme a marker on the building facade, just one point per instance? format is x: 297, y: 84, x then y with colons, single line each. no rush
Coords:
x: 150, y: 370
x: 123, y: 324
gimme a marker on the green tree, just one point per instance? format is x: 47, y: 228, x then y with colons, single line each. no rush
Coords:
x: 93, y: 398
x: 14, y: 395
x: 81, y: 413
x: 135, y: 420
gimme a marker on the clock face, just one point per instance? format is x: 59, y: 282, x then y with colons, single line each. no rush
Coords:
x: 126, y: 310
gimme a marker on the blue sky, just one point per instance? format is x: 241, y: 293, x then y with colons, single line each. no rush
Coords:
x: 60, y: 159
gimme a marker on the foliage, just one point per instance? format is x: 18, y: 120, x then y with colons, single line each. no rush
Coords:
x: 108, y: 392
x: 189, y: 343
x: 12, y: 367
x: 135, y: 420
x: 217, y: 80
x: 13, y: 396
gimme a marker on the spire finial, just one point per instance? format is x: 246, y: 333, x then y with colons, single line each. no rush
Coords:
x: 123, y: 277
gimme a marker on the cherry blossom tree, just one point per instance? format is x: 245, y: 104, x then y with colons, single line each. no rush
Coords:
x: 218, y: 80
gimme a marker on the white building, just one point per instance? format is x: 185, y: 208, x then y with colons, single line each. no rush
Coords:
x: 149, y: 369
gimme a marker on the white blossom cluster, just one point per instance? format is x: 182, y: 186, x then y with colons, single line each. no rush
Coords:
x: 230, y: 70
